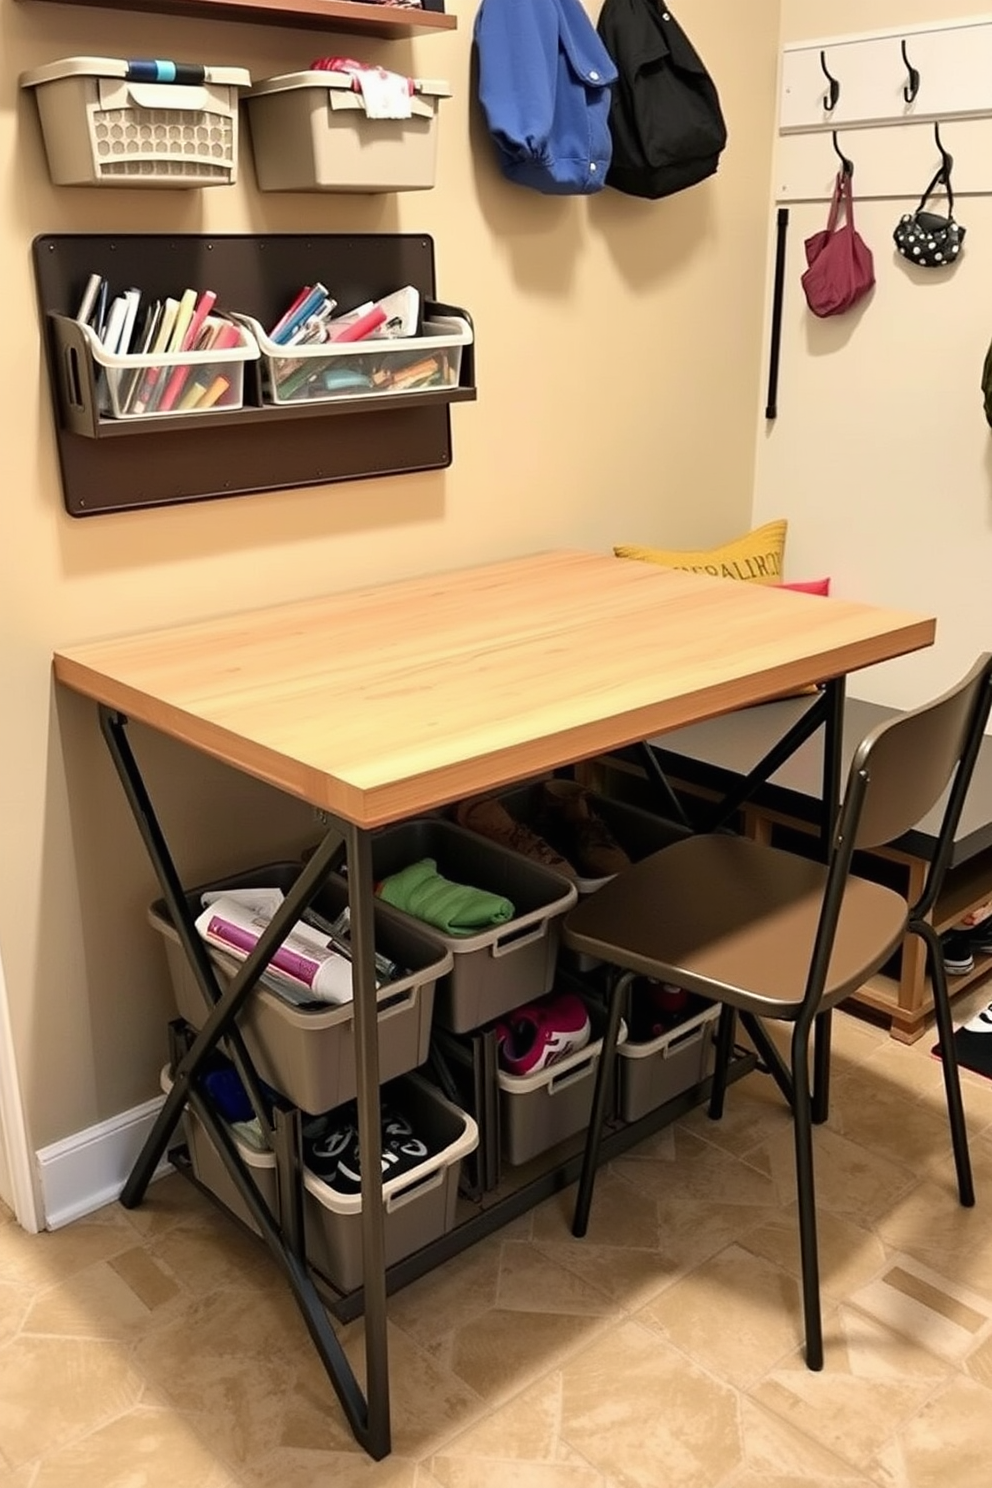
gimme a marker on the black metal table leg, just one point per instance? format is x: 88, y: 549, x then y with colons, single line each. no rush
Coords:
x: 368, y: 1414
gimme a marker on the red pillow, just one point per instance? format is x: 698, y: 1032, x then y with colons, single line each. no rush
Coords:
x: 808, y: 586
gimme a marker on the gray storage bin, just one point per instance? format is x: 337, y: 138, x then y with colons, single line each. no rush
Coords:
x: 419, y: 1205
x: 536, y: 1112
x: 309, y: 1053
x: 640, y: 833
x: 497, y: 969
x: 655, y: 1072
x: 208, y: 1166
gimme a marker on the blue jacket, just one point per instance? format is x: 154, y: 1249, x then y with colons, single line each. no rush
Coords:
x: 544, y: 85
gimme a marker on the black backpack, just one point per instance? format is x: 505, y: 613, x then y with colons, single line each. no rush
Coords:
x: 665, y: 119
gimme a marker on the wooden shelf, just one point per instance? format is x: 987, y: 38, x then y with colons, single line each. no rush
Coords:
x: 314, y: 15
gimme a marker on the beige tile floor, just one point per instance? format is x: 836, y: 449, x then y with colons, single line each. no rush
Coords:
x: 156, y: 1347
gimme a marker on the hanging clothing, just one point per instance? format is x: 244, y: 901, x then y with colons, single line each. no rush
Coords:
x: 544, y: 86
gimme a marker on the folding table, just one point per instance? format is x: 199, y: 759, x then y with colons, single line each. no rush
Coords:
x: 385, y: 702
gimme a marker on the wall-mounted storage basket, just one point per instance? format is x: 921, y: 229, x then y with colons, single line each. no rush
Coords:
x: 108, y: 122
x: 310, y: 132
x: 376, y: 367
x: 131, y: 387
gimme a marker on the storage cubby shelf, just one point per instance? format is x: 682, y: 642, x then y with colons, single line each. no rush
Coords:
x: 315, y: 15
x: 112, y: 465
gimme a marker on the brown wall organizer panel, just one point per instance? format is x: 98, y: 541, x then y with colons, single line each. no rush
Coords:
x: 118, y: 466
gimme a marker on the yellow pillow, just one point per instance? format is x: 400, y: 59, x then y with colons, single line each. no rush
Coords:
x: 756, y: 558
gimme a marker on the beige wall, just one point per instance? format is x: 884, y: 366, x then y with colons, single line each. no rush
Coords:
x: 618, y: 365
x: 881, y: 457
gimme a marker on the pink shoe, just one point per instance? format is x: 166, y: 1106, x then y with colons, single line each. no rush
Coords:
x: 542, y: 1033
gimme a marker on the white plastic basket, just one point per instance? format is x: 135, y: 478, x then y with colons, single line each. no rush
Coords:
x: 122, y: 379
x: 373, y: 368
x: 106, y: 126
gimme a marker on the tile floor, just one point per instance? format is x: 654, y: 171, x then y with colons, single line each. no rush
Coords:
x: 145, y: 1349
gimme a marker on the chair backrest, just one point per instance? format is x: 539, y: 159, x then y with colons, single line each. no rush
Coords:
x: 899, y: 772
x: 902, y: 768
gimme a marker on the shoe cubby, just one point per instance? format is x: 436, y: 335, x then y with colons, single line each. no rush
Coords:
x: 112, y: 464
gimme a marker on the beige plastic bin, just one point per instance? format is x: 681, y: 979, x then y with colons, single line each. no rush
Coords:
x: 104, y: 126
x: 309, y: 1053
x: 419, y: 1205
x: 536, y: 1112
x: 657, y: 1071
x: 496, y: 969
x: 310, y: 132
x: 208, y: 1166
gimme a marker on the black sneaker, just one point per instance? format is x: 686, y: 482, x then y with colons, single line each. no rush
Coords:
x: 980, y: 938
x: 330, y: 1148
x: 957, y: 953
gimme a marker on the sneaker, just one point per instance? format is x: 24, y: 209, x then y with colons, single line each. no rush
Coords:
x: 542, y: 1033
x: 956, y: 950
x: 655, y: 1008
x: 491, y: 819
x: 981, y: 1023
x: 330, y: 1148
x: 980, y: 938
x: 568, y: 820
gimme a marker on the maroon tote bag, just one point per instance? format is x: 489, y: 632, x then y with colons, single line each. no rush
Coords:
x: 840, y: 265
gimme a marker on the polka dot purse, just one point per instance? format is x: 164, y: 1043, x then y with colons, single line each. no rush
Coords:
x: 926, y: 239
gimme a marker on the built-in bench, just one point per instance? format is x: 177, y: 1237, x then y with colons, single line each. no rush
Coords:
x: 708, y: 759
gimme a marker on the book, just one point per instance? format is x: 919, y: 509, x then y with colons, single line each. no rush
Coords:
x: 151, y: 377
x: 179, y: 375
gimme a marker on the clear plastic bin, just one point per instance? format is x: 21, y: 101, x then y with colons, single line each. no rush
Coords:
x: 374, y: 368
x: 310, y: 132
x: 309, y: 1053
x: 110, y: 122
x: 127, y: 386
x: 419, y: 1205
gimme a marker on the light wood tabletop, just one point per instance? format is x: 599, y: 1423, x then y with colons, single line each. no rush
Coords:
x: 377, y: 703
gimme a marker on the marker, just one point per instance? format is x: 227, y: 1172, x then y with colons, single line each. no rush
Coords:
x: 362, y: 326
x: 214, y: 392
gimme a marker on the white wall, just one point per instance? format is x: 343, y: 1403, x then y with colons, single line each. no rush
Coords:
x: 881, y: 457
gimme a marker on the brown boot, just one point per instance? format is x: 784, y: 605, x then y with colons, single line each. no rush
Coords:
x: 490, y: 818
x: 569, y: 821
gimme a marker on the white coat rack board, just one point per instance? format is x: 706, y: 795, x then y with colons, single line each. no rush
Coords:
x: 883, y: 92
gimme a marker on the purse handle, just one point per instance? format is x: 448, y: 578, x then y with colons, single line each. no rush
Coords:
x: 843, y: 197
x: 942, y: 178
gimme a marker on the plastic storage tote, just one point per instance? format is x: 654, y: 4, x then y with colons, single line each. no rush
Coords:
x: 208, y: 1166
x: 109, y: 122
x: 499, y: 968
x: 419, y: 1204
x: 639, y: 832
x: 309, y: 1053
x: 657, y: 1071
x: 377, y: 367
x: 310, y: 132
x: 539, y: 1111
x: 128, y: 387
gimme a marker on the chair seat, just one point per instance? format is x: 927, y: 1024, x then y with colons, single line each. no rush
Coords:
x: 736, y: 920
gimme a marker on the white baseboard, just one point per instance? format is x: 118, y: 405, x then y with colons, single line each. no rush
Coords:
x: 87, y: 1170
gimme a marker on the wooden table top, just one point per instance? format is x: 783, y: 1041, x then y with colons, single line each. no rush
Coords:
x: 378, y: 703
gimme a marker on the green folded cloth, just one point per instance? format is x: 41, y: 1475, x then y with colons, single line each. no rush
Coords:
x: 457, y: 909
